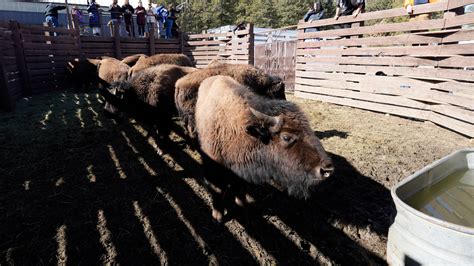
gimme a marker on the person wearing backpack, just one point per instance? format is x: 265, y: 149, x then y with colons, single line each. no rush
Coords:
x: 409, y: 6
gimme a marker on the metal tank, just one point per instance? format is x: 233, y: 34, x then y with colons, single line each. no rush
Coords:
x: 434, y: 224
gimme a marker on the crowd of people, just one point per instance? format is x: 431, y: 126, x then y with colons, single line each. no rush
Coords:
x: 160, y: 19
x: 355, y: 7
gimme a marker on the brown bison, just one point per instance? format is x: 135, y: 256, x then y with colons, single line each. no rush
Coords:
x: 132, y: 59
x: 82, y: 72
x: 258, y: 139
x: 256, y: 80
x: 159, y: 59
x: 111, y: 70
x: 148, y: 95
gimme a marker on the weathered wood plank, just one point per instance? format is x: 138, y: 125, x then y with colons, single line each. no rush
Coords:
x: 414, y: 72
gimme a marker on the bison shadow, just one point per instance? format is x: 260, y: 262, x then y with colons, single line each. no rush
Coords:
x: 331, y: 133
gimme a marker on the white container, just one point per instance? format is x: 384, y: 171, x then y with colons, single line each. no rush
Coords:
x: 416, y: 238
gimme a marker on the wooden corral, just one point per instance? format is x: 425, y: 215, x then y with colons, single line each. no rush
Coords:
x: 422, y: 69
x: 235, y: 48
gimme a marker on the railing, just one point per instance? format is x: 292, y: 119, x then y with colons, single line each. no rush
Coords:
x: 422, y: 69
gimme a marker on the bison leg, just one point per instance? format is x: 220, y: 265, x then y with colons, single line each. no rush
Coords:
x: 217, y: 185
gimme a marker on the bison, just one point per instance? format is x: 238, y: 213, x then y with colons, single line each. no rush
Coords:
x: 256, y: 80
x: 258, y: 139
x: 148, y: 95
x: 158, y: 59
x: 111, y: 70
x: 82, y: 72
x: 132, y: 59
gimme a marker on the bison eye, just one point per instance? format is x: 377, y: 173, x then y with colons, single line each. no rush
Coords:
x: 287, y: 138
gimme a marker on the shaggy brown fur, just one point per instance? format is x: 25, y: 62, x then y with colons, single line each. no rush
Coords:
x: 112, y: 70
x: 158, y: 59
x: 254, y: 78
x: 151, y: 90
x: 81, y: 73
x: 132, y: 59
x: 258, y: 139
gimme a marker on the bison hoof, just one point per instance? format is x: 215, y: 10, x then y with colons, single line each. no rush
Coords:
x: 217, y: 215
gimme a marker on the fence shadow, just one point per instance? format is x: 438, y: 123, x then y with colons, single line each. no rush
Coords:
x: 92, y: 190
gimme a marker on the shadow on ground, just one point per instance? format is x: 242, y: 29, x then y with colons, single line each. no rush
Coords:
x: 77, y: 187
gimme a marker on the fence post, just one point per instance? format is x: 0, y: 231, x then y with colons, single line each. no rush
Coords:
x: 182, y: 39
x: 6, y: 101
x: 20, y: 58
x: 251, y: 48
x: 151, y: 39
x: 118, y: 50
x: 77, y: 34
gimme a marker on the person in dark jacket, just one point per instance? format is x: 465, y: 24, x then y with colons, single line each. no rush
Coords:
x: 315, y: 12
x: 349, y: 7
x: 128, y: 11
x: 51, y: 14
x: 141, y: 19
x: 115, y: 15
x: 94, y: 17
x: 171, y: 19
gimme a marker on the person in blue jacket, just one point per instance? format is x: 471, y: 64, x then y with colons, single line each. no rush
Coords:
x: 94, y: 17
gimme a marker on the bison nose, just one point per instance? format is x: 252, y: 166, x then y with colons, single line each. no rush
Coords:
x: 326, y: 168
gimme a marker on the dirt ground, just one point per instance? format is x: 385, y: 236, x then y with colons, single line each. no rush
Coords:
x: 79, y: 188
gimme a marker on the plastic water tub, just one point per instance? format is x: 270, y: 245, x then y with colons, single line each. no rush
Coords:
x: 416, y: 238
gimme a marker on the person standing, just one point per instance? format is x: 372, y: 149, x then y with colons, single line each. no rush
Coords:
x: 151, y: 19
x: 170, y: 20
x: 315, y: 12
x: 141, y: 19
x: 115, y: 16
x: 94, y: 17
x: 161, y: 16
x: 128, y: 11
x: 78, y: 18
x: 349, y: 7
x: 51, y: 14
x: 409, y: 6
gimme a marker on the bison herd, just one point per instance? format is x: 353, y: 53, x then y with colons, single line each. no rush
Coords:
x: 236, y: 116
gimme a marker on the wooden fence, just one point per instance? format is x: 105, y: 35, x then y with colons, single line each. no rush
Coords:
x: 34, y: 58
x: 236, y: 48
x: 278, y: 58
x: 422, y: 69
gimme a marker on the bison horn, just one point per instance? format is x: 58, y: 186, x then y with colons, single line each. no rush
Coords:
x: 275, y: 122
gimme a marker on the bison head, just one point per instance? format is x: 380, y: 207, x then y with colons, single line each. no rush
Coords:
x: 289, y: 150
x: 116, y: 97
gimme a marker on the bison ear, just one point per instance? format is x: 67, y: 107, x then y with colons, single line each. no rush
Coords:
x: 262, y: 126
x: 258, y: 131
